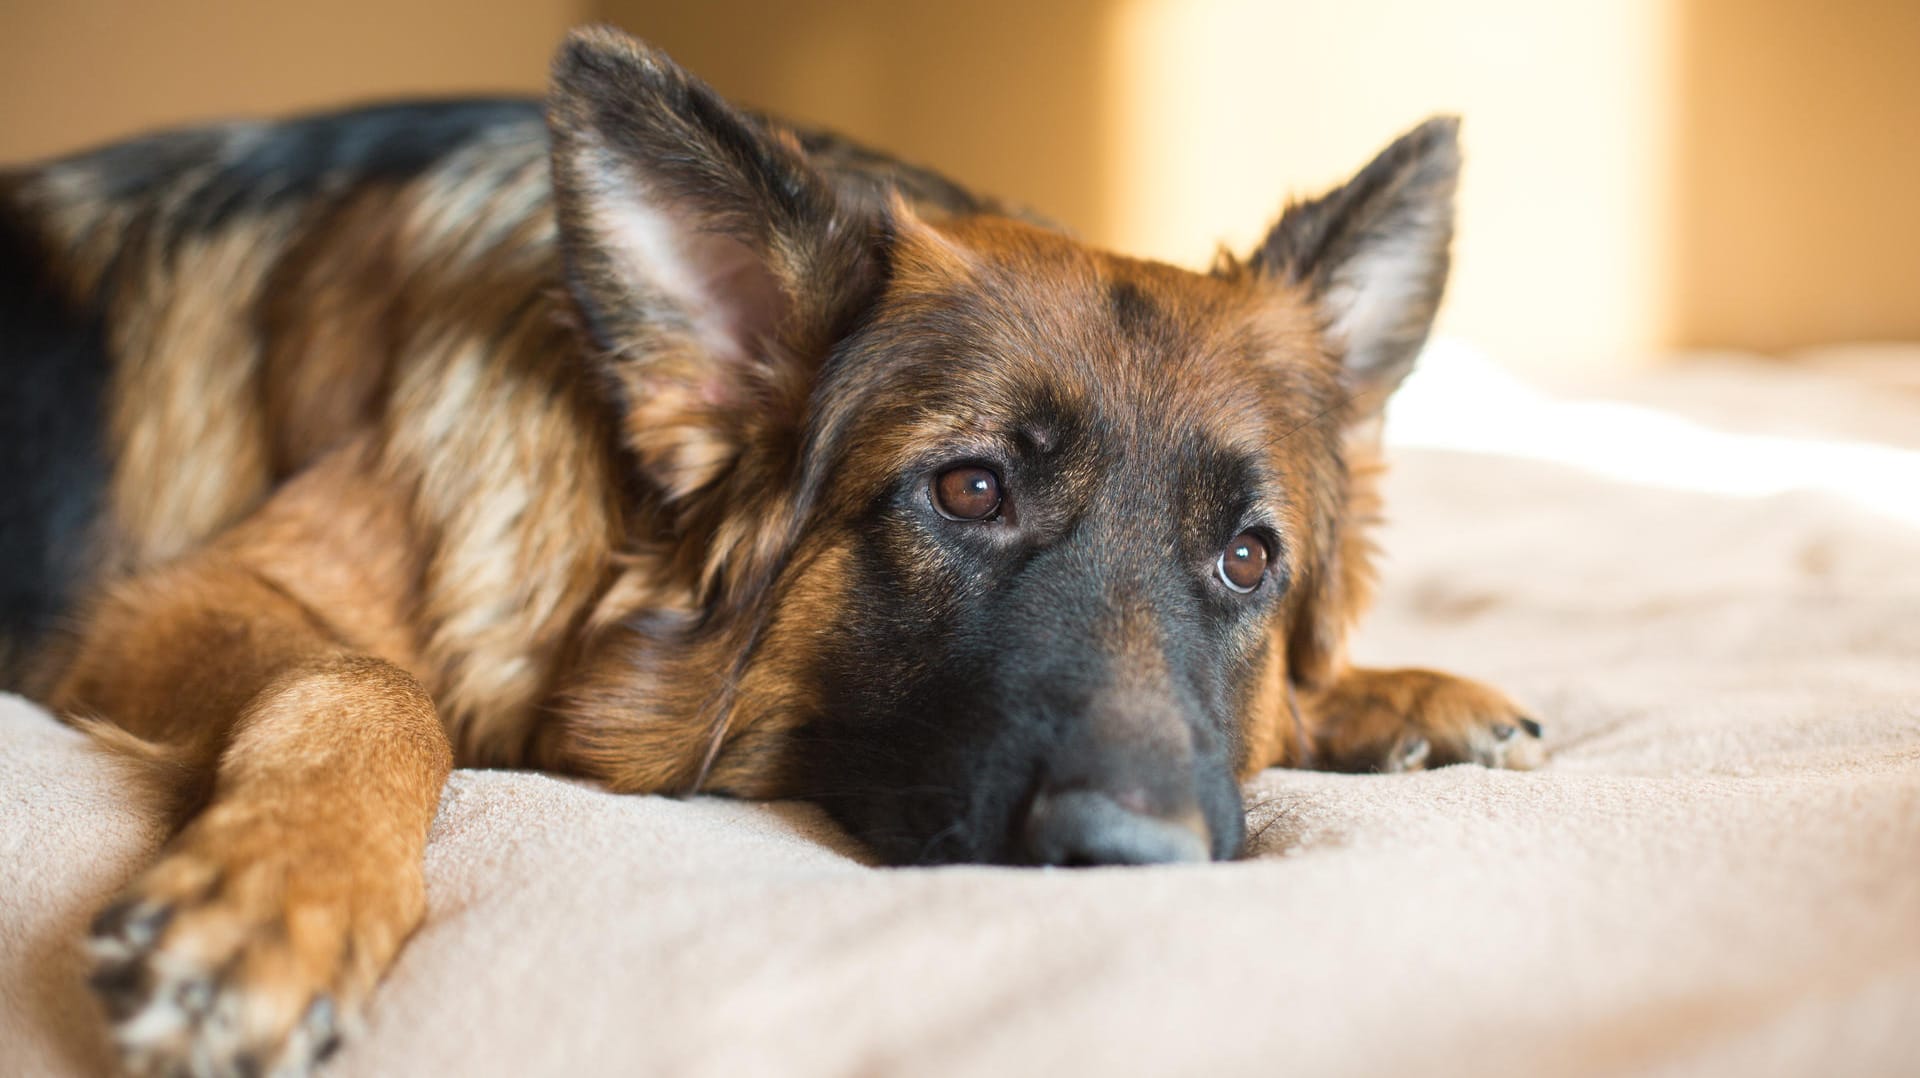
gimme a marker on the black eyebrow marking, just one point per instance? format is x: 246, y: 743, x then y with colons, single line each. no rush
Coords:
x: 1134, y: 310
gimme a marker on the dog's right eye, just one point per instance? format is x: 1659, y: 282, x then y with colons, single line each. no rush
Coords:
x: 1244, y: 563
x: 968, y: 492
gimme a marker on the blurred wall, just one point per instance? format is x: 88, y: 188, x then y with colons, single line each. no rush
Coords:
x: 76, y: 72
x: 1798, y: 172
x: 1226, y: 105
x: 1006, y: 95
x: 1641, y: 174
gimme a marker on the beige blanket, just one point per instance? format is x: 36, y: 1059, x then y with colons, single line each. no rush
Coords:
x: 1718, y: 872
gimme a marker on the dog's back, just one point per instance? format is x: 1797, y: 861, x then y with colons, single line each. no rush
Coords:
x: 52, y: 457
x: 158, y: 300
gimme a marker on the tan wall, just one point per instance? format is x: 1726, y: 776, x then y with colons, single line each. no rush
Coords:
x: 1007, y: 95
x: 1640, y: 173
x: 1798, y: 175
x: 75, y: 72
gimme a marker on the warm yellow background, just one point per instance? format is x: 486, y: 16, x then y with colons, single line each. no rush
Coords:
x: 1642, y: 175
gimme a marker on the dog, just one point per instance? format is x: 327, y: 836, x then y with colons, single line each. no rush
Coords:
x: 651, y: 440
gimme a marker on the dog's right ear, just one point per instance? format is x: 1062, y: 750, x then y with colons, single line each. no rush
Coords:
x: 1373, y: 256
x: 711, y: 262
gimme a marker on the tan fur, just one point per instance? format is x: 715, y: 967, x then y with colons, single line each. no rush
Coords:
x: 315, y: 304
x: 188, y: 437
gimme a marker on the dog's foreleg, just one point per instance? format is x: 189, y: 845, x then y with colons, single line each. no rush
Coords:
x: 276, y: 907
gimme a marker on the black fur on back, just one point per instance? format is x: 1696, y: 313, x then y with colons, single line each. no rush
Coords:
x: 52, y: 462
x: 255, y: 168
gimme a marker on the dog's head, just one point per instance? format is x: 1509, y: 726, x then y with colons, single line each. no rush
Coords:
x: 1007, y: 549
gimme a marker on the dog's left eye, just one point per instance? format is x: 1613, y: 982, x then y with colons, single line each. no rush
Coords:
x: 1244, y: 563
x: 968, y: 492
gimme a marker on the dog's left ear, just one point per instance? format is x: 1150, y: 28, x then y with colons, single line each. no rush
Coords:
x: 712, y: 263
x: 1373, y: 256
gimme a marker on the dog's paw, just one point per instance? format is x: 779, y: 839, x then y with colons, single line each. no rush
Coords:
x: 1410, y: 720
x: 240, y: 953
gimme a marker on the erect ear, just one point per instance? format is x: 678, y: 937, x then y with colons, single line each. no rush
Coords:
x: 712, y: 263
x: 1373, y: 255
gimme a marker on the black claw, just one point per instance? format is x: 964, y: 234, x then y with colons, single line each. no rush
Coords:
x: 322, y: 1025
x: 196, y: 996
x: 1503, y: 731
x: 113, y: 920
x: 107, y: 921
x: 122, y: 988
x: 1533, y: 728
x: 132, y: 920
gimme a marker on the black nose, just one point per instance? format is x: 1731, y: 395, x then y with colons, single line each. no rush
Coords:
x: 1085, y: 827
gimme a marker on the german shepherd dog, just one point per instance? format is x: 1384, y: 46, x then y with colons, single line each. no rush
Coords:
x: 658, y: 442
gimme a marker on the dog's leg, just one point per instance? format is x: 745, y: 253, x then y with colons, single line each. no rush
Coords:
x: 1406, y: 720
x: 315, y: 769
x: 272, y: 913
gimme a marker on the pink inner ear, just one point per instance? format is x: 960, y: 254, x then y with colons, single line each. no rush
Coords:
x: 724, y: 289
x: 741, y: 305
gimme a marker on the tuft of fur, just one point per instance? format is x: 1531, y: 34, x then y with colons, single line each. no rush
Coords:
x: 171, y: 780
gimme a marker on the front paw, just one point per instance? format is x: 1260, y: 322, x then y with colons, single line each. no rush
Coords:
x: 240, y: 953
x: 1410, y: 720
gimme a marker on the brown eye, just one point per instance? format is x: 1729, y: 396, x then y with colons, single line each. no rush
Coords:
x: 1244, y: 563
x: 967, y: 493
